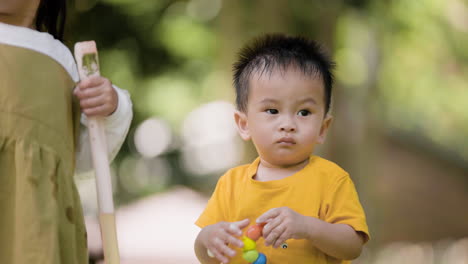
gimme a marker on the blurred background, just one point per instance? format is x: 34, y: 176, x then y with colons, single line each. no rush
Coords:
x: 400, y: 106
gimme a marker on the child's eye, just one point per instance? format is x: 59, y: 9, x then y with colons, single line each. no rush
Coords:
x: 303, y: 113
x: 272, y: 111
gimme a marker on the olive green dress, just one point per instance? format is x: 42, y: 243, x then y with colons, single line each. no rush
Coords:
x: 41, y: 219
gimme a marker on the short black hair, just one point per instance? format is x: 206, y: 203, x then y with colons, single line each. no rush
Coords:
x: 51, y: 16
x: 272, y: 51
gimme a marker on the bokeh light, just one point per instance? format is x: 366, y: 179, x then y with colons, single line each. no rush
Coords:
x: 152, y: 137
x: 184, y: 36
x: 210, y: 139
x: 204, y: 10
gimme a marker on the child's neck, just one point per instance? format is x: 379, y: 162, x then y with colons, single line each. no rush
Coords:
x: 271, y: 172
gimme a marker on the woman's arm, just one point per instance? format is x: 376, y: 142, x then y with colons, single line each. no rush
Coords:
x: 116, y: 128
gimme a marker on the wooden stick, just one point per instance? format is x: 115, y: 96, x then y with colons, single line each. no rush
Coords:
x: 88, y: 65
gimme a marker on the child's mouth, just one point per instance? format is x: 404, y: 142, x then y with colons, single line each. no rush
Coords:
x: 287, y: 141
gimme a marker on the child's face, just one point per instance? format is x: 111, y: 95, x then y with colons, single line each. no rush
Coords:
x: 285, y: 116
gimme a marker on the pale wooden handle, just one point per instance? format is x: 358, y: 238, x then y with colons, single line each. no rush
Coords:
x: 101, y: 165
x: 88, y: 65
x: 109, y: 238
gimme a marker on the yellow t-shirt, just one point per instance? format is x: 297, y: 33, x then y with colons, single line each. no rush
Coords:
x: 321, y: 189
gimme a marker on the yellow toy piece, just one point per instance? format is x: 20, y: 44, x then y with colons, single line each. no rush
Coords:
x: 249, y: 244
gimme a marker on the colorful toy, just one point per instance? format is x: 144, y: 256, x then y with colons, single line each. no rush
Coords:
x: 250, y: 255
x: 249, y: 244
x: 254, y: 232
x: 261, y: 259
x: 250, y: 252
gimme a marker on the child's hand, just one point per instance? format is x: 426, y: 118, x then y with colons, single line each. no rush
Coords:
x: 97, y: 96
x: 217, y: 237
x: 282, y: 224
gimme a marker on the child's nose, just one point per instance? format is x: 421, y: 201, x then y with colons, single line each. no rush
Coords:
x: 288, y: 128
x: 288, y: 125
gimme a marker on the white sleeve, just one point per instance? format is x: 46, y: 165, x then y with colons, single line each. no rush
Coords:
x: 116, y: 127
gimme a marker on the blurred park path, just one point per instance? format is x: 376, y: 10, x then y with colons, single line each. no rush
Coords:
x: 156, y: 229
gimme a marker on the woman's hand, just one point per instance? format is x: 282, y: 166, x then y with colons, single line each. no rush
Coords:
x: 97, y: 96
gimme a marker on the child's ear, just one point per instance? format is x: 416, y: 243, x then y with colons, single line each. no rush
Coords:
x: 324, y: 129
x: 242, y: 127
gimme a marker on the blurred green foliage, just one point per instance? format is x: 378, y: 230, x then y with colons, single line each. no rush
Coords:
x: 424, y: 75
x: 408, y: 57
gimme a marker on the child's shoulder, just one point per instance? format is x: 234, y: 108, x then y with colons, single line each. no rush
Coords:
x: 237, y: 171
x: 241, y: 172
x: 327, y: 168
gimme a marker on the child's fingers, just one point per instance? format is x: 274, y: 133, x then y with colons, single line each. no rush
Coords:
x: 222, y: 249
x: 272, y: 231
x: 93, y: 82
x: 234, y: 241
x: 282, y: 238
x: 93, y: 86
x: 217, y: 254
x: 225, y: 250
x: 91, y: 102
x: 271, y: 224
x: 272, y: 238
x: 235, y: 228
x: 243, y: 223
x: 226, y: 236
x: 101, y: 110
x: 87, y: 93
x: 272, y: 213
